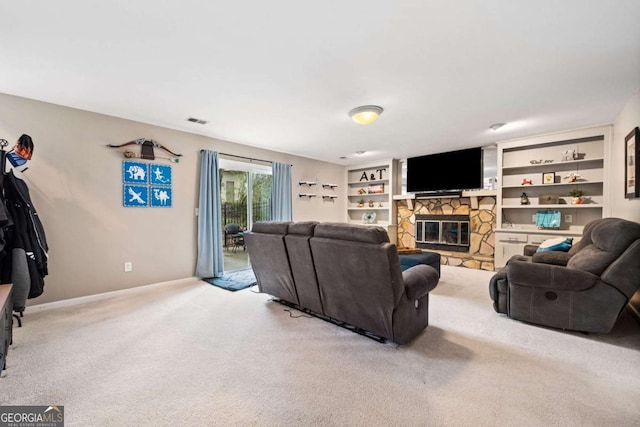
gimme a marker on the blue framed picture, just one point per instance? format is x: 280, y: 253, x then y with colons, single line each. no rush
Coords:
x: 160, y: 174
x: 161, y: 197
x: 135, y: 196
x: 135, y: 172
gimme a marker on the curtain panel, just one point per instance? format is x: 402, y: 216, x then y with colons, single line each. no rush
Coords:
x: 210, y: 257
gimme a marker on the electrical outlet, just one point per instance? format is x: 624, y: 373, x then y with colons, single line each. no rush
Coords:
x: 534, y: 218
x: 568, y: 218
x: 128, y: 266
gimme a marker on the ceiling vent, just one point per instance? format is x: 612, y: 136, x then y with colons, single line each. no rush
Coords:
x: 198, y: 121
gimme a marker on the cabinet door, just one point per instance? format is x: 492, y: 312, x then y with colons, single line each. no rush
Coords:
x: 505, y: 250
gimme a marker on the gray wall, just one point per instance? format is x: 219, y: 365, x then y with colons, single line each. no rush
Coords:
x: 628, y: 119
x: 76, y: 186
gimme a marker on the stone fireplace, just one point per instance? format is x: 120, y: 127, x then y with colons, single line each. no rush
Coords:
x: 460, y: 230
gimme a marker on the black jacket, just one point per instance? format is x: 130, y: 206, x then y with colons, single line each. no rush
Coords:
x: 23, y: 236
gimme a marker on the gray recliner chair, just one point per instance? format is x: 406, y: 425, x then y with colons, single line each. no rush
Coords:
x: 601, y: 274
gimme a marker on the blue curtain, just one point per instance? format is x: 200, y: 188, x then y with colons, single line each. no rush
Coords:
x: 210, y: 257
x: 281, y: 192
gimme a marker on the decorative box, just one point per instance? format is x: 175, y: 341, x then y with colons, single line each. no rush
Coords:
x: 548, y: 199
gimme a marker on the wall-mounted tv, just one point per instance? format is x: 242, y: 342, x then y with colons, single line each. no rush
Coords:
x: 453, y: 170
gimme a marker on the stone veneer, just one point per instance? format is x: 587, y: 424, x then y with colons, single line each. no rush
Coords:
x: 482, y: 224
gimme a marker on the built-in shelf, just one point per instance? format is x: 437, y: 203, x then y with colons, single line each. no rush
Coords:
x: 379, y: 181
x: 553, y: 164
x: 591, y: 145
x: 558, y: 206
x: 557, y: 184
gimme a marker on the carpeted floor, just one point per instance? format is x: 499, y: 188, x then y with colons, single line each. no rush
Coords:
x: 193, y: 354
x: 234, y: 280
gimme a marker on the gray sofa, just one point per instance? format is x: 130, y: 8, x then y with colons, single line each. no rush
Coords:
x: 584, y: 289
x: 347, y: 274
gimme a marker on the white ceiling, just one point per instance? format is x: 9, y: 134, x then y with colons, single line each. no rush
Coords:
x: 283, y: 74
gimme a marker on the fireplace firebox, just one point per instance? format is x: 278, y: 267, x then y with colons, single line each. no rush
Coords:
x: 443, y: 232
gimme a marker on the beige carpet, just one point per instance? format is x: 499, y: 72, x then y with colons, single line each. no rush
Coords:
x: 193, y: 354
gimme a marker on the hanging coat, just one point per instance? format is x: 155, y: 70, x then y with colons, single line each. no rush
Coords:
x: 25, y: 251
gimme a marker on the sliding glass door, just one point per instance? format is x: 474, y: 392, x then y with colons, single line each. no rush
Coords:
x: 245, y: 191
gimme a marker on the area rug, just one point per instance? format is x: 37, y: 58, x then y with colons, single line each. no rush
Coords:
x: 234, y: 280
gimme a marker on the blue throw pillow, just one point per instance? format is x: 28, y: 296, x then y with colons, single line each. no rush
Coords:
x: 558, y: 244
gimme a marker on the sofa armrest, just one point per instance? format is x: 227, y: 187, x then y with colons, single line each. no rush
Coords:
x: 529, y: 250
x: 537, y: 275
x: 419, y: 280
x: 551, y: 257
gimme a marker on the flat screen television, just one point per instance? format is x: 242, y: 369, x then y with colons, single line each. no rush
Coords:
x: 453, y: 170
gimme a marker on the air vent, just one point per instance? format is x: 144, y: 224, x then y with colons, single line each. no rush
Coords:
x: 199, y: 121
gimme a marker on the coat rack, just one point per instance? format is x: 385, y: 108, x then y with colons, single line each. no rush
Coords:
x: 3, y: 171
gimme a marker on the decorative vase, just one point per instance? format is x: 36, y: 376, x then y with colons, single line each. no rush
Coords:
x: 576, y: 200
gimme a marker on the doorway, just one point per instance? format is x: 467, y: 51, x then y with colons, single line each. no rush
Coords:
x: 245, y: 192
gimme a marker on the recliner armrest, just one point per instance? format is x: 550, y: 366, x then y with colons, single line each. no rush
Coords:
x: 538, y: 275
x: 419, y: 280
x: 551, y: 257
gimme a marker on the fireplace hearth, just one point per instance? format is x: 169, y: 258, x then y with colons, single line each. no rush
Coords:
x: 443, y: 232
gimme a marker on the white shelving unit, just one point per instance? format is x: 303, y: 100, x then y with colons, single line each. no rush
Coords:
x: 373, y: 183
x: 530, y: 158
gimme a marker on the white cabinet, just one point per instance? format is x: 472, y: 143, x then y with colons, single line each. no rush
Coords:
x: 370, y: 189
x: 540, y: 168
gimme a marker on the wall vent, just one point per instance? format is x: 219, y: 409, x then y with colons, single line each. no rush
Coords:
x: 194, y: 120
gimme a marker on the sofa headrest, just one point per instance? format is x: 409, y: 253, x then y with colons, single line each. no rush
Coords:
x: 615, y: 235
x: 610, y: 238
x: 271, y: 227
x: 304, y: 228
x: 355, y: 233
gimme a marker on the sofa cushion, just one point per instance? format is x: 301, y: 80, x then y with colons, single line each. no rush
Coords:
x: 354, y: 233
x: 271, y: 227
x: 304, y: 228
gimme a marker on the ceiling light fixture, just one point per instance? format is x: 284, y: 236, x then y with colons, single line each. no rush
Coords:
x: 365, y: 114
x: 496, y: 126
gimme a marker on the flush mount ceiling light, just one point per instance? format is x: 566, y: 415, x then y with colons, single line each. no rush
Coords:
x: 365, y: 114
x: 496, y: 126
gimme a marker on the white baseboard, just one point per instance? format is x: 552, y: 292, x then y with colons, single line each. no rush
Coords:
x: 97, y: 297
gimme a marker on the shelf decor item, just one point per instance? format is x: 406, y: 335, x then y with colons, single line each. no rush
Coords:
x: 576, y: 197
x: 631, y: 165
x: 361, y: 203
x: 376, y: 189
x: 524, y: 199
x: 548, y: 220
x: 526, y: 181
x: 548, y: 199
x: 568, y: 155
x: 573, y: 177
x: 549, y: 178
x: 369, y: 217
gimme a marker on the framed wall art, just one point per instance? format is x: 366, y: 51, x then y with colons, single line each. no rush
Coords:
x: 632, y: 167
x: 549, y: 178
x: 375, y: 189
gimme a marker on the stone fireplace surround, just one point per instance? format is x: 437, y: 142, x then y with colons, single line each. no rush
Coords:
x: 482, y: 220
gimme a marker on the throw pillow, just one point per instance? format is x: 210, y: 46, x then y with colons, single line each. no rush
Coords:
x: 558, y: 244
